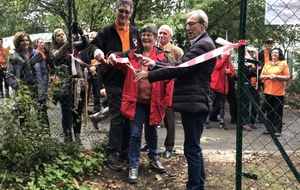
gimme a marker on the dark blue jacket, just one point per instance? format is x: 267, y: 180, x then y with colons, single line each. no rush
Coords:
x: 191, y: 86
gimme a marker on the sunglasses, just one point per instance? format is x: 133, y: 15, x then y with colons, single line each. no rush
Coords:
x: 122, y: 11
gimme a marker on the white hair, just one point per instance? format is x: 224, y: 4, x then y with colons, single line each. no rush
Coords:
x: 166, y: 27
x: 201, y: 15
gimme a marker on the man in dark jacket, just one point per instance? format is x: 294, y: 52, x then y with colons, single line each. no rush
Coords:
x: 191, y: 90
x: 118, y: 37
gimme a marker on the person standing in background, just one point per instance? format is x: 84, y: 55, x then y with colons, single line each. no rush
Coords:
x: 4, y: 55
x: 165, y: 34
x: 118, y: 37
x: 275, y: 74
x: 263, y: 57
x: 26, y: 66
x: 94, y: 79
x: 219, y: 86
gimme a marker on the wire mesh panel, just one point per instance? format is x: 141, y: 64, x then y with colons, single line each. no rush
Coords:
x: 268, y: 121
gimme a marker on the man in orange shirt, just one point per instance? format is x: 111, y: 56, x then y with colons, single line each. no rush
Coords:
x: 4, y: 54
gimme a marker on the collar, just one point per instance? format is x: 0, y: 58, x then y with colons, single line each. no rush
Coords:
x: 194, y: 40
x: 167, y: 47
x: 119, y: 28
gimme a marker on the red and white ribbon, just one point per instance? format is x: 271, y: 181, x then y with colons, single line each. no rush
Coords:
x: 203, y: 57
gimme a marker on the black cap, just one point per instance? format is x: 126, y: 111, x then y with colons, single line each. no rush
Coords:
x: 270, y: 40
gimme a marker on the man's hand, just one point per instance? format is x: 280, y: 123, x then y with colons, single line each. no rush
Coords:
x: 148, y: 62
x: 112, y: 59
x: 99, y: 55
x: 140, y: 75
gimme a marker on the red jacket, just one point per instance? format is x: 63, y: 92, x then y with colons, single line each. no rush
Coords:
x: 219, y: 78
x: 161, y: 93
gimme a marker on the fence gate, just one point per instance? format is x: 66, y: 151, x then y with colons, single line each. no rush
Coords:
x: 268, y: 161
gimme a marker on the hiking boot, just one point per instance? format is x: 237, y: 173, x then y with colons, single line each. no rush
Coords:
x: 206, y: 125
x: 113, y: 162
x: 157, y: 166
x: 223, y: 126
x: 246, y: 128
x: 133, y: 174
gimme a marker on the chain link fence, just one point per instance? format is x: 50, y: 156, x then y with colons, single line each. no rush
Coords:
x: 268, y: 132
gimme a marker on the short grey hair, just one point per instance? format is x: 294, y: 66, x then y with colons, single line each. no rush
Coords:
x: 124, y: 3
x: 150, y: 28
x: 166, y: 27
x: 203, y: 19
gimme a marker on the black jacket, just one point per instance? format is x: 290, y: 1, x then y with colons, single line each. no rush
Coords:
x: 108, y: 40
x: 191, y: 86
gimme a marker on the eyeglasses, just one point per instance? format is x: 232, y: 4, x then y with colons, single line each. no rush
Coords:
x: 191, y: 23
x: 122, y: 11
x: 147, y: 35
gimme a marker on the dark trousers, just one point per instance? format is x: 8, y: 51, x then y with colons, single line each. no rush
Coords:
x: 66, y: 110
x: 77, y: 113
x: 3, y: 79
x: 119, y: 132
x: 232, y: 100
x: 169, y: 121
x: 218, y: 101
x: 254, y: 92
x: 274, y: 108
x: 193, y: 128
x: 94, y: 85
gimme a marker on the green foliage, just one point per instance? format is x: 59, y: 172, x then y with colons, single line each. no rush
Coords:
x: 34, y: 160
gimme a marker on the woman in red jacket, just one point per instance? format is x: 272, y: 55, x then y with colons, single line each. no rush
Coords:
x: 143, y: 102
x: 219, y: 86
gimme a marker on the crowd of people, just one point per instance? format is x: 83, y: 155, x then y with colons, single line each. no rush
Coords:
x: 147, y: 90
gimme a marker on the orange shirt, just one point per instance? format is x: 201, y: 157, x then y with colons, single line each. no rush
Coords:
x: 253, y: 80
x: 4, y: 54
x: 124, y: 34
x: 267, y: 56
x: 275, y: 87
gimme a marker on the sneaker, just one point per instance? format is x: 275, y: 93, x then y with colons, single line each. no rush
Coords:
x: 246, y: 128
x: 253, y: 125
x: 113, y: 162
x: 156, y: 165
x: 133, y: 174
x: 266, y: 132
x: 277, y: 134
x: 223, y: 126
x: 206, y: 125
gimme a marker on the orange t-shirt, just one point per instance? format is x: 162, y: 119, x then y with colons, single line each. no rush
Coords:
x: 275, y: 87
x: 267, y: 56
x: 124, y: 34
x: 4, y: 54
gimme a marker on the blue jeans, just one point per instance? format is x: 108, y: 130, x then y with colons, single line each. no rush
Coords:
x: 193, y: 128
x: 142, y: 113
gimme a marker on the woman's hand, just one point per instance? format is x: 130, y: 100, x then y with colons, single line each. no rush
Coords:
x: 146, y: 61
x: 140, y: 75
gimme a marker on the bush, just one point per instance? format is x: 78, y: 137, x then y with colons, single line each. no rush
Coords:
x: 31, y: 158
